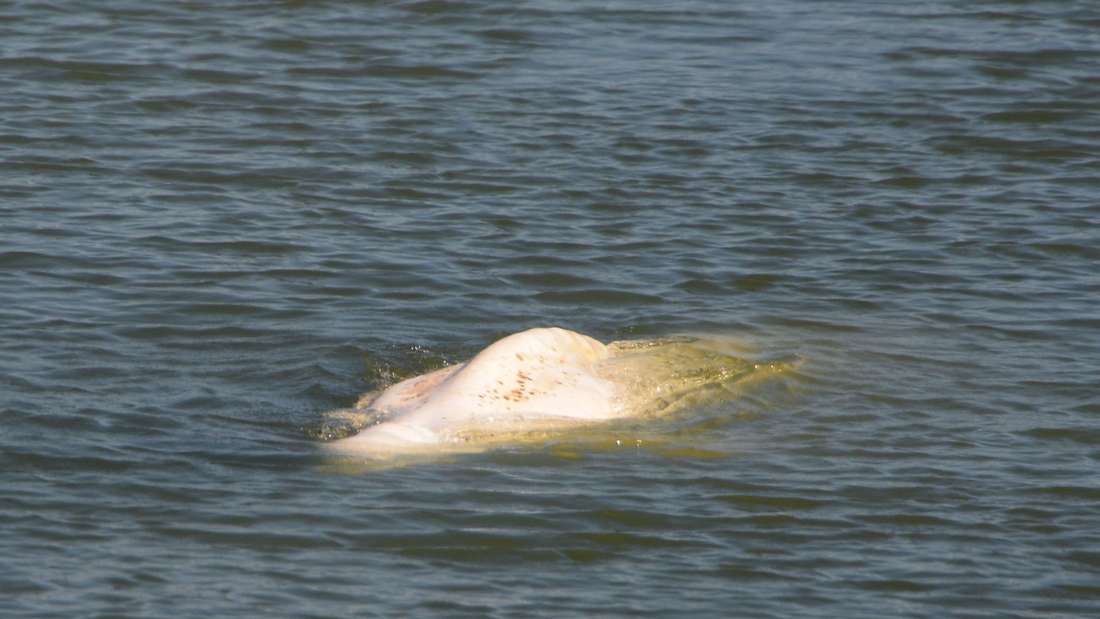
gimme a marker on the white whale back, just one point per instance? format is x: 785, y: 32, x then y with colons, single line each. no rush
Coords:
x: 533, y: 376
x: 538, y: 383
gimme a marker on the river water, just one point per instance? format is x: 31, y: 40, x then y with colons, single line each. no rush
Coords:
x: 220, y: 220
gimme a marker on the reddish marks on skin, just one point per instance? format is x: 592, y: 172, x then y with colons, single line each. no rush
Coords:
x: 519, y: 356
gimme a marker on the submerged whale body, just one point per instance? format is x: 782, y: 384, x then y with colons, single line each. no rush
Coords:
x: 534, y: 381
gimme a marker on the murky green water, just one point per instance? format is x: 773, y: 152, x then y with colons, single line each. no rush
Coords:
x: 218, y: 221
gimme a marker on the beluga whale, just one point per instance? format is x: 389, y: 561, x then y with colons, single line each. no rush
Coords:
x: 536, y: 382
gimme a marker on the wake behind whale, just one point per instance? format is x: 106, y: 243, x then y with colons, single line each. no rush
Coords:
x: 536, y: 382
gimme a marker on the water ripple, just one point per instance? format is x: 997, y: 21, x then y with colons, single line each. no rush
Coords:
x: 210, y: 234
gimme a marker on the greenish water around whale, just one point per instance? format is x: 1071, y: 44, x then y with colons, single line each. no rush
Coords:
x: 219, y: 221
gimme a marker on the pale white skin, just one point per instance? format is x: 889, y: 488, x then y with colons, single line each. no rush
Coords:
x: 535, y: 376
x: 539, y: 382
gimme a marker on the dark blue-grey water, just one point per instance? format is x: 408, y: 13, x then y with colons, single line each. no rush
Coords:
x: 219, y: 220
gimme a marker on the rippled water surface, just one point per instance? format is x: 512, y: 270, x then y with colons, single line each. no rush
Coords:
x: 220, y: 220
